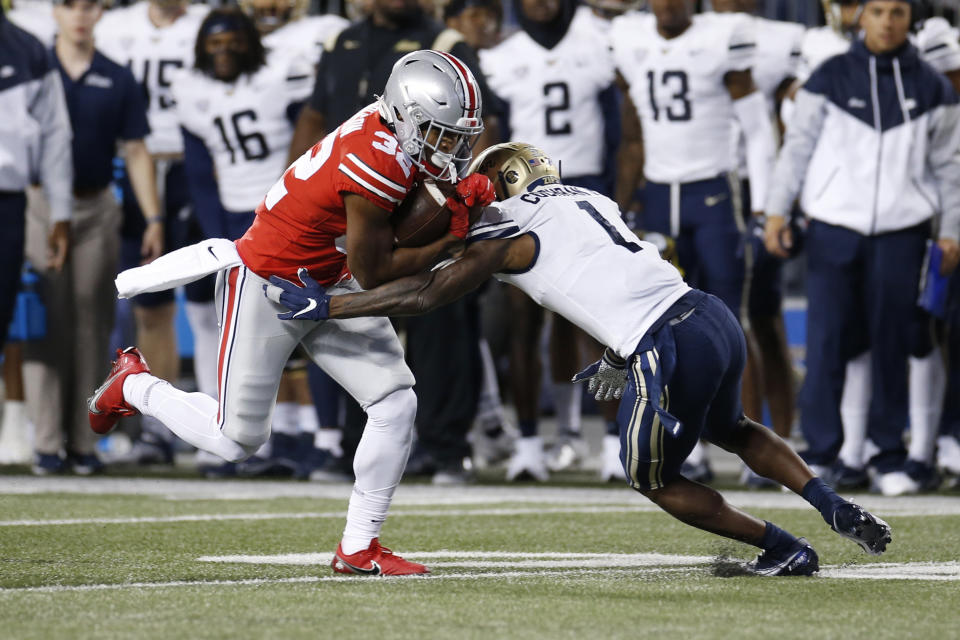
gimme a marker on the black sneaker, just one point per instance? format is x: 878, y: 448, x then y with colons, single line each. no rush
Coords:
x: 333, y: 469
x: 699, y: 472
x: 45, y: 464
x: 84, y: 464
x: 799, y: 560
x: 925, y: 475
x: 856, y: 523
x: 844, y: 478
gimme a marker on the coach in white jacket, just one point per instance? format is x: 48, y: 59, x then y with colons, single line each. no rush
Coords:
x: 872, y: 152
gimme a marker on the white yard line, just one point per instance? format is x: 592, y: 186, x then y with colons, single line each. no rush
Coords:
x: 424, y: 495
x: 489, y: 559
x: 398, y: 513
x: 949, y: 571
x: 338, y: 578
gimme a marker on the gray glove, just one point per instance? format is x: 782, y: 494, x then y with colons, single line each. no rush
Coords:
x: 607, y: 377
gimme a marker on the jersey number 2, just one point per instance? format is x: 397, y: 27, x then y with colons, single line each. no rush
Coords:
x: 611, y: 230
x: 559, y: 95
x: 680, y: 109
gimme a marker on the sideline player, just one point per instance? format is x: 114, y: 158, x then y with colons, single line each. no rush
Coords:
x: 938, y: 45
x: 557, y: 76
x: 337, y: 195
x: 869, y: 226
x: 774, y: 71
x: 675, y: 354
x: 690, y: 86
x: 288, y: 31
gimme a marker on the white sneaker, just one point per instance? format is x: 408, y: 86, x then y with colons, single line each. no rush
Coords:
x: 948, y: 454
x: 895, y: 483
x: 528, y: 460
x: 611, y: 468
x: 567, y: 453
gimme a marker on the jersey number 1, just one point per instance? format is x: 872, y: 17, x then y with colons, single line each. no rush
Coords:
x: 611, y: 230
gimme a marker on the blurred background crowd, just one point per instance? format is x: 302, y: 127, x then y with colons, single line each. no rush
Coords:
x: 158, y: 123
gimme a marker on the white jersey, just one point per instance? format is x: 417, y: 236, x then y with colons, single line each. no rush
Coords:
x: 777, y: 59
x: 36, y: 18
x: 304, y: 38
x: 939, y: 44
x: 677, y: 86
x: 590, y: 268
x: 129, y: 37
x: 819, y: 44
x: 553, y: 92
x: 586, y: 18
x: 244, y: 125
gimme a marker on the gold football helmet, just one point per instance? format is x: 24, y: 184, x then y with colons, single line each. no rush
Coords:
x: 514, y: 168
x: 833, y: 11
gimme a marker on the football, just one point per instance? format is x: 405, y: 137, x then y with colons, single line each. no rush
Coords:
x: 423, y: 215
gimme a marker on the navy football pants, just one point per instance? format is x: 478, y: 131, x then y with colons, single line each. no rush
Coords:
x: 861, y: 294
x: 13, y: 207
x: 708, y: 353
x: 708, y: 235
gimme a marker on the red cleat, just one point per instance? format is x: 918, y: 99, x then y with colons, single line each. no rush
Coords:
x: 375, y: 561
x: 107, y: 405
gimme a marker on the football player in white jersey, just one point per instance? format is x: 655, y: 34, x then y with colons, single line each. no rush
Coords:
x: 689, y: 86
x: 236, y: 108
x: 154, y: 38
x: 556, y: 74
x: 774, y: 71
x: 288, y: 31
x: 674, y: 354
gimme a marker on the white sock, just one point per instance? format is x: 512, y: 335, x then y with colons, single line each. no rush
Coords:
x: 307, y: 418
x: 378, y: 465
x: 567, y: 400
x: 928, y: 383
x: 285, y: 418
x: 855, y: 410
x: 490, y: 412
x: 191, y: 416
x: 699, y: 453
x: 16, y: 438
x: 365, y: 516
x: 329, y: 440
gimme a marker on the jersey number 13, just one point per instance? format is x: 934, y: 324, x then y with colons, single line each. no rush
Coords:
x: 679, y: 108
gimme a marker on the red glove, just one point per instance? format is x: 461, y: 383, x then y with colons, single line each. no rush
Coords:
x: 459, y: 217
x: 476, y: 190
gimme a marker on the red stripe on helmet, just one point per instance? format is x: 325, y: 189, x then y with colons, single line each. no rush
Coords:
x: 469, y: 82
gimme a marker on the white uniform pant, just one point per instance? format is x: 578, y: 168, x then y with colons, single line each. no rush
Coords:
x: 363, y: 355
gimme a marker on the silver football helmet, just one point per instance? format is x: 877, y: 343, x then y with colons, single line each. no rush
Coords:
x: 432, y: 102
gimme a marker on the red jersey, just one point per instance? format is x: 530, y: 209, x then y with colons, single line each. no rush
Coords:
x: 302, y: 220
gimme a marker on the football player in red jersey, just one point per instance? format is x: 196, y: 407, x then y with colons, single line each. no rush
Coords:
x: 326, y: 220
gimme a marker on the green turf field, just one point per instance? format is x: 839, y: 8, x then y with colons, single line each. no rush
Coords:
x: 162, y: 558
